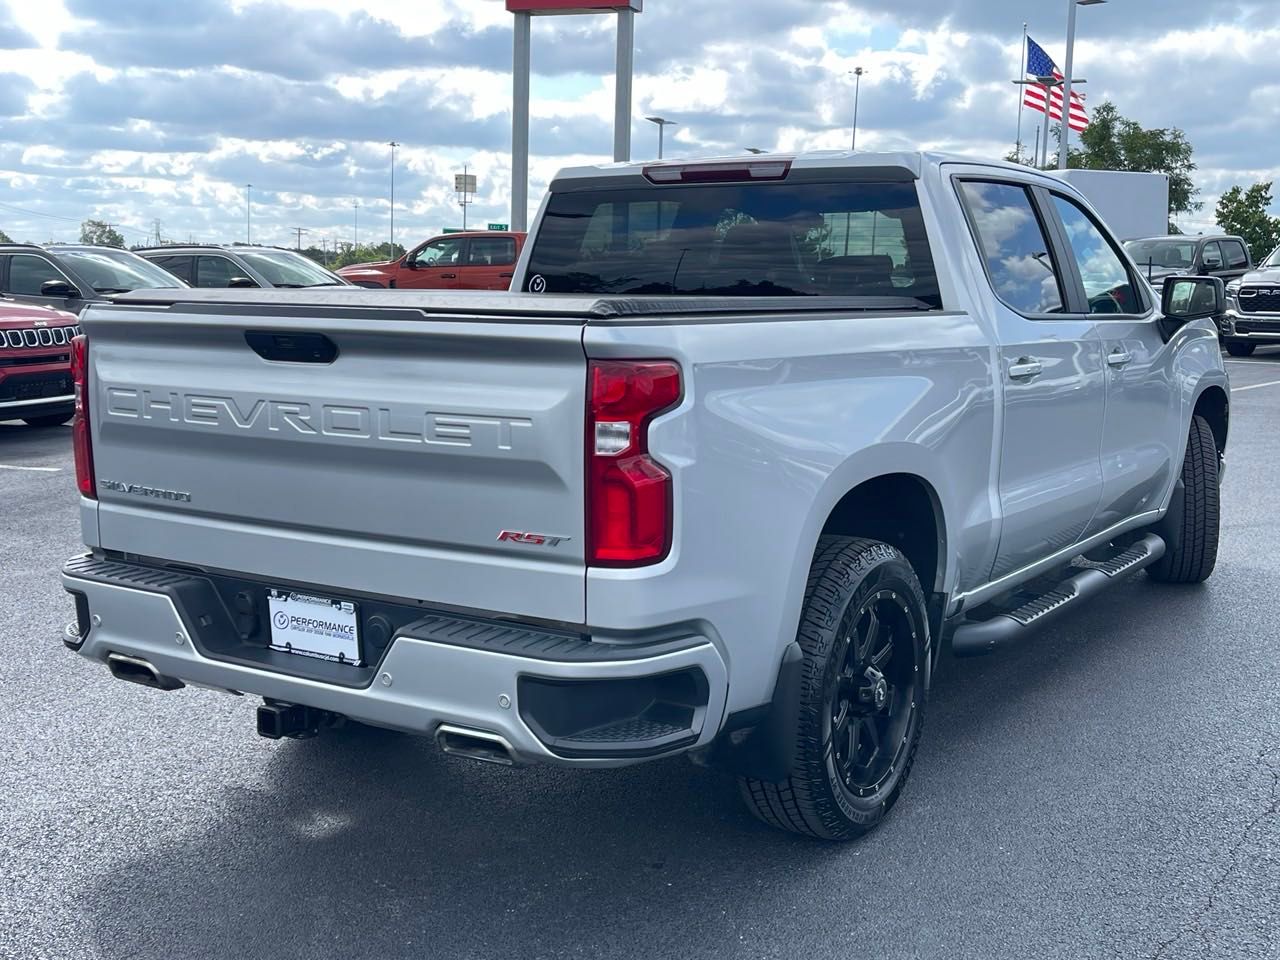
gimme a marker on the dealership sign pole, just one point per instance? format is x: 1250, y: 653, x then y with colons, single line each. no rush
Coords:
x: 524, y: 11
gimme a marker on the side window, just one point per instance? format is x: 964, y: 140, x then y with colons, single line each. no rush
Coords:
x: 492, y: 251
x: 1211, y: 258
x: 27, y: 273
x: 215, y: 271
x: 1107, y: 284
x: 1013, y: 244
x: 441, y: 253
x: 180, y: 267
x: 1237, y: 259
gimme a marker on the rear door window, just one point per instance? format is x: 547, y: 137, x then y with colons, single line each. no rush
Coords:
x: 1014, y: 246
x: 1234, y: 251
x: 492, y: 251
x: 757, y: 239
x: 180, y: 267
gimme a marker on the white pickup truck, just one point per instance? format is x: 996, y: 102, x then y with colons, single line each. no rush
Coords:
x: 748, y: 443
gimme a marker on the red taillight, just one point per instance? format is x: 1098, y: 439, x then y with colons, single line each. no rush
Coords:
x: 628, y: 492
x: 80, y: 424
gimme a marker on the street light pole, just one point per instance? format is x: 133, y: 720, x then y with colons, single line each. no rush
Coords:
x: 662, y: 126
x: 1066, y: 83
x: 393, y: 145
x: 247, y: 231
x: 857, y: 89
x: 355, y: 225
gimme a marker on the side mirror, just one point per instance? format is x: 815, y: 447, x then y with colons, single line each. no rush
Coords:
x: 411, y: 263
x: 1213, y: 264
x: 1190, y: 298
x: 58, y: 288
x: 241, y: 282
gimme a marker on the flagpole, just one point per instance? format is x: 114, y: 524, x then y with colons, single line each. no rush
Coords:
x: 1022, y: 94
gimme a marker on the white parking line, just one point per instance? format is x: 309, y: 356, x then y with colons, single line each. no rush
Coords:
x: 12, y: 466
x: 1256, y: 386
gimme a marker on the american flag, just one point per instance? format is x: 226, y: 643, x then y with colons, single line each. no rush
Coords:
x: 1039, y: 64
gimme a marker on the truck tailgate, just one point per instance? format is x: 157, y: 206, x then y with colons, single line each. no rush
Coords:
x: 392, y: 469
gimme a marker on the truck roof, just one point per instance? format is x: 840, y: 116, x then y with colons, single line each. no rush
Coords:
x: 913, y: 162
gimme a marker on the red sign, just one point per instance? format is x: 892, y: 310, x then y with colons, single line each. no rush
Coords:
x: 538, y: 7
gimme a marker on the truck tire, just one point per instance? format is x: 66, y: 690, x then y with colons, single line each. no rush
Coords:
x: 1191, y: 557
x: 1238, y: 349
x: 864, y: 632
x: 53, y: 420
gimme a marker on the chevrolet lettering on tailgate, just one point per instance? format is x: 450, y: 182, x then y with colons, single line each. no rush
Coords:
x: 388, y: 424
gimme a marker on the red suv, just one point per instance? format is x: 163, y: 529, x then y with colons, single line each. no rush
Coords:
x: 484, y: 260
x: 35, y: 364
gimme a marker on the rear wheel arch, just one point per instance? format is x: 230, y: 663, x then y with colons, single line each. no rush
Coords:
x: 902, y: 510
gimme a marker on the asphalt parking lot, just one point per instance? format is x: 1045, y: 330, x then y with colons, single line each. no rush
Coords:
x: 1111, y: 789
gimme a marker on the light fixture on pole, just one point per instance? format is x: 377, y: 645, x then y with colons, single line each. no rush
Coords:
x: 857, y: 89
x: 247, y: 229
x: 1066, y: 83
x: 662, y: 123
x: 756, y: 150
x: 392, y: 144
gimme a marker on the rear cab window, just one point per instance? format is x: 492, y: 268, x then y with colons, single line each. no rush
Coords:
x: 776, y: 238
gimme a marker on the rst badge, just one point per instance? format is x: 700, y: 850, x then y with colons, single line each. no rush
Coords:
x: 531, y: 539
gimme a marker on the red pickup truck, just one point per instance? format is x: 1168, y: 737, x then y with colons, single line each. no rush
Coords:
x: 483, y: 260
x: 35, y: 364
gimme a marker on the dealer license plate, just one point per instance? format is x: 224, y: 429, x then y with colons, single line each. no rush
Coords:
x: 314, y: 626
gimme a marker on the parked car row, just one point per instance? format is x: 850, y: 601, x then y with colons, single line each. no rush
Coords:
x: 204, y: 265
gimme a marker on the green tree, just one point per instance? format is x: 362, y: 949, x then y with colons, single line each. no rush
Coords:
x: 1114, y: 142
x: 4, y: 237
x: 365, y: 253
x: 1245, y: 214
x: 100, y: 233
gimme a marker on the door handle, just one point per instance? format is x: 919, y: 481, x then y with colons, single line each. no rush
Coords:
x: 1118, y: 358
x: 1024, y: 368
x: 448, y: 276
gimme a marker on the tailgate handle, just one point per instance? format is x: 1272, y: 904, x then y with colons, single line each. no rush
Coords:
x: 286, y: 347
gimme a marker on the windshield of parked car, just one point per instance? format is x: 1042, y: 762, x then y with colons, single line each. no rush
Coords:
x: 1162, y: 253
x: 1273, y: 259
x: 738, y: 240
x: 282, y: 268
x: 117, y: 271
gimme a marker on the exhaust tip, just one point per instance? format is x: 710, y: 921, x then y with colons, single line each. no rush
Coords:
x: 475, y: 745
x: 139, y: 671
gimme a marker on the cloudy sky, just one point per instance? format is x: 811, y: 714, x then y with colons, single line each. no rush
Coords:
x: 133, y: 111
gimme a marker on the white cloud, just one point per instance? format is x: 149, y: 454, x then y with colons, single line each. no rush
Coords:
x: 149, y: 117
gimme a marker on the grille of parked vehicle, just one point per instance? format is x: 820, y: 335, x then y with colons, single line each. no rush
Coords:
x: 34, y: 386
x: 38, y: 337
x: 1259, y: 300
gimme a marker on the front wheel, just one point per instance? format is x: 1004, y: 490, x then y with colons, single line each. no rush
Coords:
x: 1238, y: 349
x: 53, y: 420
x: 864, y: 632
x: 1191, y: 526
